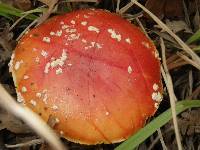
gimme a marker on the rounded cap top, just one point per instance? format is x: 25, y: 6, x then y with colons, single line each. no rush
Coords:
x: 94, y: 72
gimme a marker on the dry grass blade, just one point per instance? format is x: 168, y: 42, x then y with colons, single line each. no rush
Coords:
x: 161, y: 139
x: 142, y: 27
x: 125, y: 8
x: 188, y: 60
x: 31, y: 119
x: 51, y: 4
x: 29, y: 143
x: 27, y: 28
x: 185, y: 47
x: 118, y: 3
x: 91, y: 1
x: 17, y: 21
x: 169, y: 84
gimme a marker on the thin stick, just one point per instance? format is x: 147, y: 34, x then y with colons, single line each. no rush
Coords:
x: 172, y: 96
x: 185, y: 47
x: 94, y: 1
x: 117, y: 8
x: 29, y: 143
x: 17, y: 21
x: 188, y: 60
x: 142, y: 27
x: 31, y: 119
x: 125, y: 8
x: 27, y: 28
x: 161, y: 139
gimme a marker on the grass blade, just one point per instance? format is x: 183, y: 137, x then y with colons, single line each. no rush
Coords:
x: 158, y: 122
x: 6, y: 10
x: 194, y: 37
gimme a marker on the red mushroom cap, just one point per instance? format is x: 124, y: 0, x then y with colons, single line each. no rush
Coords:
x: 95, y: 72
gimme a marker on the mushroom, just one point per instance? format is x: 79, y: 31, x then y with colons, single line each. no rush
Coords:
x: 96, y: 73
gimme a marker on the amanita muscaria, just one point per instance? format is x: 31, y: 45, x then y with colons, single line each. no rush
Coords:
x: 98, y: 74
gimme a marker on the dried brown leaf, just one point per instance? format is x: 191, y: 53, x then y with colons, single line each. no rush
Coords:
x: 177, y: 26
x: 11, y: 123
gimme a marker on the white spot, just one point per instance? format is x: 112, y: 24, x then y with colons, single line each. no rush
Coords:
x: 37, y: 59
x: 130, y: 70
x: 34, y: 49
x: 64, y: 27
x: 84, y: 23
x: 114, y: 35
x: 26, y: 77
x: 69, y: 64
x: 92, y: 28
x: 107, y: 113
x: 20, y: 98
x: 155, y: 87
x: 93, y: 44
x: 57, y: 120
x: 61, y: 22
x: 59, y: 71
x: 46, y: 39
x: 70, y: 30
x: 84, y: 41
x: 39, y: 95
x: 73, y: 37
x: 54, y: 107
x: 128, y: 41
x: 33, y: 102
x: 11, y: 62
x: 146, y: 44
x: 73, y: 22
x: 98, y: 45
x: 52, y: 33
x: 61, y: 133
x: 156, y: 96
x: 46, y: 68
x: 17, y: 64
x: 44, y: 53
x: 156, y: 105
x: 24, y: 89
x: 156, y: 54
x: 60, y: 61
x: 45, y: 98
x: 58, y: 33
x: 85, y: 16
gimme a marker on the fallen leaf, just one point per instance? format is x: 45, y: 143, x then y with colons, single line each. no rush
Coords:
x: 177, y: 26
x: 11, y: 123
x: 156, y: 7
x: 165, y: 8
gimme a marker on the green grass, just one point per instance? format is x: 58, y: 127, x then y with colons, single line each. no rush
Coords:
x: 156, y: 123
x: 195, y: 37
x: 9, y: 11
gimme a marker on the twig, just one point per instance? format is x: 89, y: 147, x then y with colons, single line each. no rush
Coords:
x: 27, y: 28
x: 30, y: 118
x: 29, y: 143
x: 92, y: 1
x: 172, y: 96
x: 141, y: 26
x: 188, y: 60
x: 125, y: 8
x: 17, y: 21
x: 117, y: 8
x: 161, y: 139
